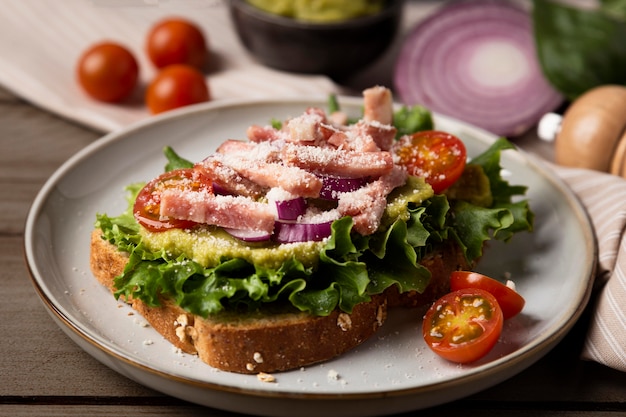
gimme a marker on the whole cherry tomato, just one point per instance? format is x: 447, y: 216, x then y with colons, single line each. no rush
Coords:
x: 436, y: 156
x: 176, y: 41
x: 107, y: 72
x: 510, y: 301
x: 464, y: 325
x: 147, y: 205
x: 176, y: 86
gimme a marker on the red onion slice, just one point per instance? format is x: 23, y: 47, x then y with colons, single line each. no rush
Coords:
x: 219, y: 189
x: 248, y: 235
x: 475, y: 61
x: 291, y: 209
x: 285, y: 232
x: 333, y: 185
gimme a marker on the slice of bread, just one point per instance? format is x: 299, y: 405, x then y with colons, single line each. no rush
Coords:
x: 277, y: 340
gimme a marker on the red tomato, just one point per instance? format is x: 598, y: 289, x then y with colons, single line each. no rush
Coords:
x: 176, y: 41
x: 107, y: 72
x: 437, y: 156
x: 511, y: 302
x: 147, y: 206
x: 464, y: 325
x: 176, y: 86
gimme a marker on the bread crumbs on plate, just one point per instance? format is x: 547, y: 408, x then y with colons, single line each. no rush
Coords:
x: 264, y: 377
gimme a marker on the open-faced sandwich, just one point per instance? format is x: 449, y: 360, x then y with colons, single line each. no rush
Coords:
x: 287, y: 248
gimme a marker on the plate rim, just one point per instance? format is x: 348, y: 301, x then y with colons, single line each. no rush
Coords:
x: 523, y: 356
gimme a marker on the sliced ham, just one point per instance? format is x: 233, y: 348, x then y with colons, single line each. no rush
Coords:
x: 351, y: 140
x: 257, y: 134
x: 338, y: 118
x: 306, y: 128
x: 233, y: 145
x: 294, y: 161
x: 378, y: 105
x: 381, y: 134
x: 339, y: 162
x: 367, y: 204
x: 292, y: 179
x: 221, y: 210
x: 228, y: 179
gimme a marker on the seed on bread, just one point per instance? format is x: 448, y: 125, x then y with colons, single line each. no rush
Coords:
x: 185, y: 331
x: 344, y: 321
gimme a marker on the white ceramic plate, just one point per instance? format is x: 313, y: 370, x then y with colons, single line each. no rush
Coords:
x: 391, y: 373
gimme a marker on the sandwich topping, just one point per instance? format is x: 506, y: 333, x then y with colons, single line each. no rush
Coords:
x: 317, y: 212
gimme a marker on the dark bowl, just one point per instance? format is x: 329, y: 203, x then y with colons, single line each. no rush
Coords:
x: 335, y: 49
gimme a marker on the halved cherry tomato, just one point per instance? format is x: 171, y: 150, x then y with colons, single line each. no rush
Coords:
x: 511, y: 302
x: 176, y: 86
x: 107, y: 72
x: 438, y: 157
x: 147, y: 206
x: 464, y: 325
x: 176, y: 41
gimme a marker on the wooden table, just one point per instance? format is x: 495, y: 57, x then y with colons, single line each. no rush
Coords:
x: 44, y: 373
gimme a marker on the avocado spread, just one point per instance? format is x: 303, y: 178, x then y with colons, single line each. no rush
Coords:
x: 320, y: 11
x: 210, y: 245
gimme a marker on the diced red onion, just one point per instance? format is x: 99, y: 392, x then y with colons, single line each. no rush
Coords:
x: 333, y: 185
x: 249, y: 235
x: 291, y: 209
x: 475, y: 61
x: 286, y: 232
x: 218, y: 189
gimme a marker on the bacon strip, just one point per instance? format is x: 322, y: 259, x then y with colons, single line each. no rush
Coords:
x: 221, y: 210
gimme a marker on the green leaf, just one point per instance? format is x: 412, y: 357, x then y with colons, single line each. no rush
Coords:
x: 489, y: 160
x: 580, y: 49
x: 174, y: 161
x: 473, y: 225
x: 615, y: 8
x: 333, y: 104
x: 396, y: 263
x: 411, y: 119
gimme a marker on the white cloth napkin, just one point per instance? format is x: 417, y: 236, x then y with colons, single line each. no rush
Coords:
x: 604, y: 197
x: 41, y: 40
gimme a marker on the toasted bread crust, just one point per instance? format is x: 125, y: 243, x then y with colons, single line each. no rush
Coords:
x: 254, y: 343
x: 278, y: 341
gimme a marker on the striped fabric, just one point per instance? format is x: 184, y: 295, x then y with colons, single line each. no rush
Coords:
x: 604, y: 196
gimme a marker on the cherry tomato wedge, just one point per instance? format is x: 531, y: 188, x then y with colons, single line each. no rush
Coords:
x: 107, y: 72
x: 147, y: 206
x: 464, y: 325
x: 511, y: 302
x: 176, y: 86
x: 438, y: 157
x: 176, y: 41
